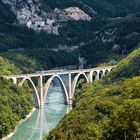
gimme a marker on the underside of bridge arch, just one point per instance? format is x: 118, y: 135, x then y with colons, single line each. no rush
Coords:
x: 11, y: 80
x: 106, y: 72
x: 33, y: 87
x: 94, y: 75
x: 63, y: 86
x: 78, y: 81
x: 101, y: 74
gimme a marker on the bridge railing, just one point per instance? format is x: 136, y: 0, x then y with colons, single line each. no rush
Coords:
x: 59, y: 72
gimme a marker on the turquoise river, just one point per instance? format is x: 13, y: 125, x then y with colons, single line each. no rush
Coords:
x: 43, y: 120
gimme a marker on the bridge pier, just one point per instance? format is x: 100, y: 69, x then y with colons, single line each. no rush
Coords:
x: 15, y: 80
x: 70, y: 89
x: 90, y: 76
x: 103, y: 73
x: 97, y: 77
x: 40, y: 91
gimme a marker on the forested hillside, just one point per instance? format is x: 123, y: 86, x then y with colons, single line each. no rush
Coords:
x: 15, y: 102
x: 105, y: 8
x: 106, y: 110
x: 102, y: 107
x: 114, y: 30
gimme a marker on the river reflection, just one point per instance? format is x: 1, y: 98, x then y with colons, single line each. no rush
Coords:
x: 43, y: 120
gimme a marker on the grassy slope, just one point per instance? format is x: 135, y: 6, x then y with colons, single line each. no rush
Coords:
x: 106, y: 111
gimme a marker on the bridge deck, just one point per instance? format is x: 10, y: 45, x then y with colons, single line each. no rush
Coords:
x: 64, y: 72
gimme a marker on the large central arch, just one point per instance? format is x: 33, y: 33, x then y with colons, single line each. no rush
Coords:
x: 47, y: 85
x: 36, y: 96
x: 75, y: 81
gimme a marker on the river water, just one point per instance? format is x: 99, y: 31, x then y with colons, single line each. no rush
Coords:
x: 43, y: 120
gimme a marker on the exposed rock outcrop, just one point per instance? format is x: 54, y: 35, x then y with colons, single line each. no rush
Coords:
x: 30, y: 13
x: 75, y: 13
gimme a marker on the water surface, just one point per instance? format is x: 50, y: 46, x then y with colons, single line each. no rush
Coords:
x: 43, y: 120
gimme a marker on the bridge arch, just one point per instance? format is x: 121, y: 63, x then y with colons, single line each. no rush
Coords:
x: 75, y: 81
x: 37, y: 99
x: 11, y: 80
x: 110, y: 69
x: 47, y: 85
x: 102, y: 73
x: 107, y: 71
x: 95, y: 75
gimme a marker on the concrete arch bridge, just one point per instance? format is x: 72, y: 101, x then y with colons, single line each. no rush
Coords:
x: 41, y: 81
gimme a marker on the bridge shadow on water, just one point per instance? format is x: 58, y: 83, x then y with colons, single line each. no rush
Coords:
x: 43, y: 120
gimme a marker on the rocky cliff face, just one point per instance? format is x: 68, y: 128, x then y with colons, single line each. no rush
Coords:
x: 30, y: 13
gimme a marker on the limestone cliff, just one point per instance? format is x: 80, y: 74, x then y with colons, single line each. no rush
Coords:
x: 31, y: 14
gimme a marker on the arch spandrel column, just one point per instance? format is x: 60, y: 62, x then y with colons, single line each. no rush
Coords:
x: 109, y: 70
x: 14, y: 80
x: 90, y: 76
x: 103, y: 74
x: 97, y: 77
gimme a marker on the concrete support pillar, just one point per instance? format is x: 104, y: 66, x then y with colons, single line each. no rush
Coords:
x: 97, y: 76
x: 70, y: 89
x: 103, y: 73
x: 14, y: 80
x: 109, y: 70
x: 40, y: 91
x: 90, y: 76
